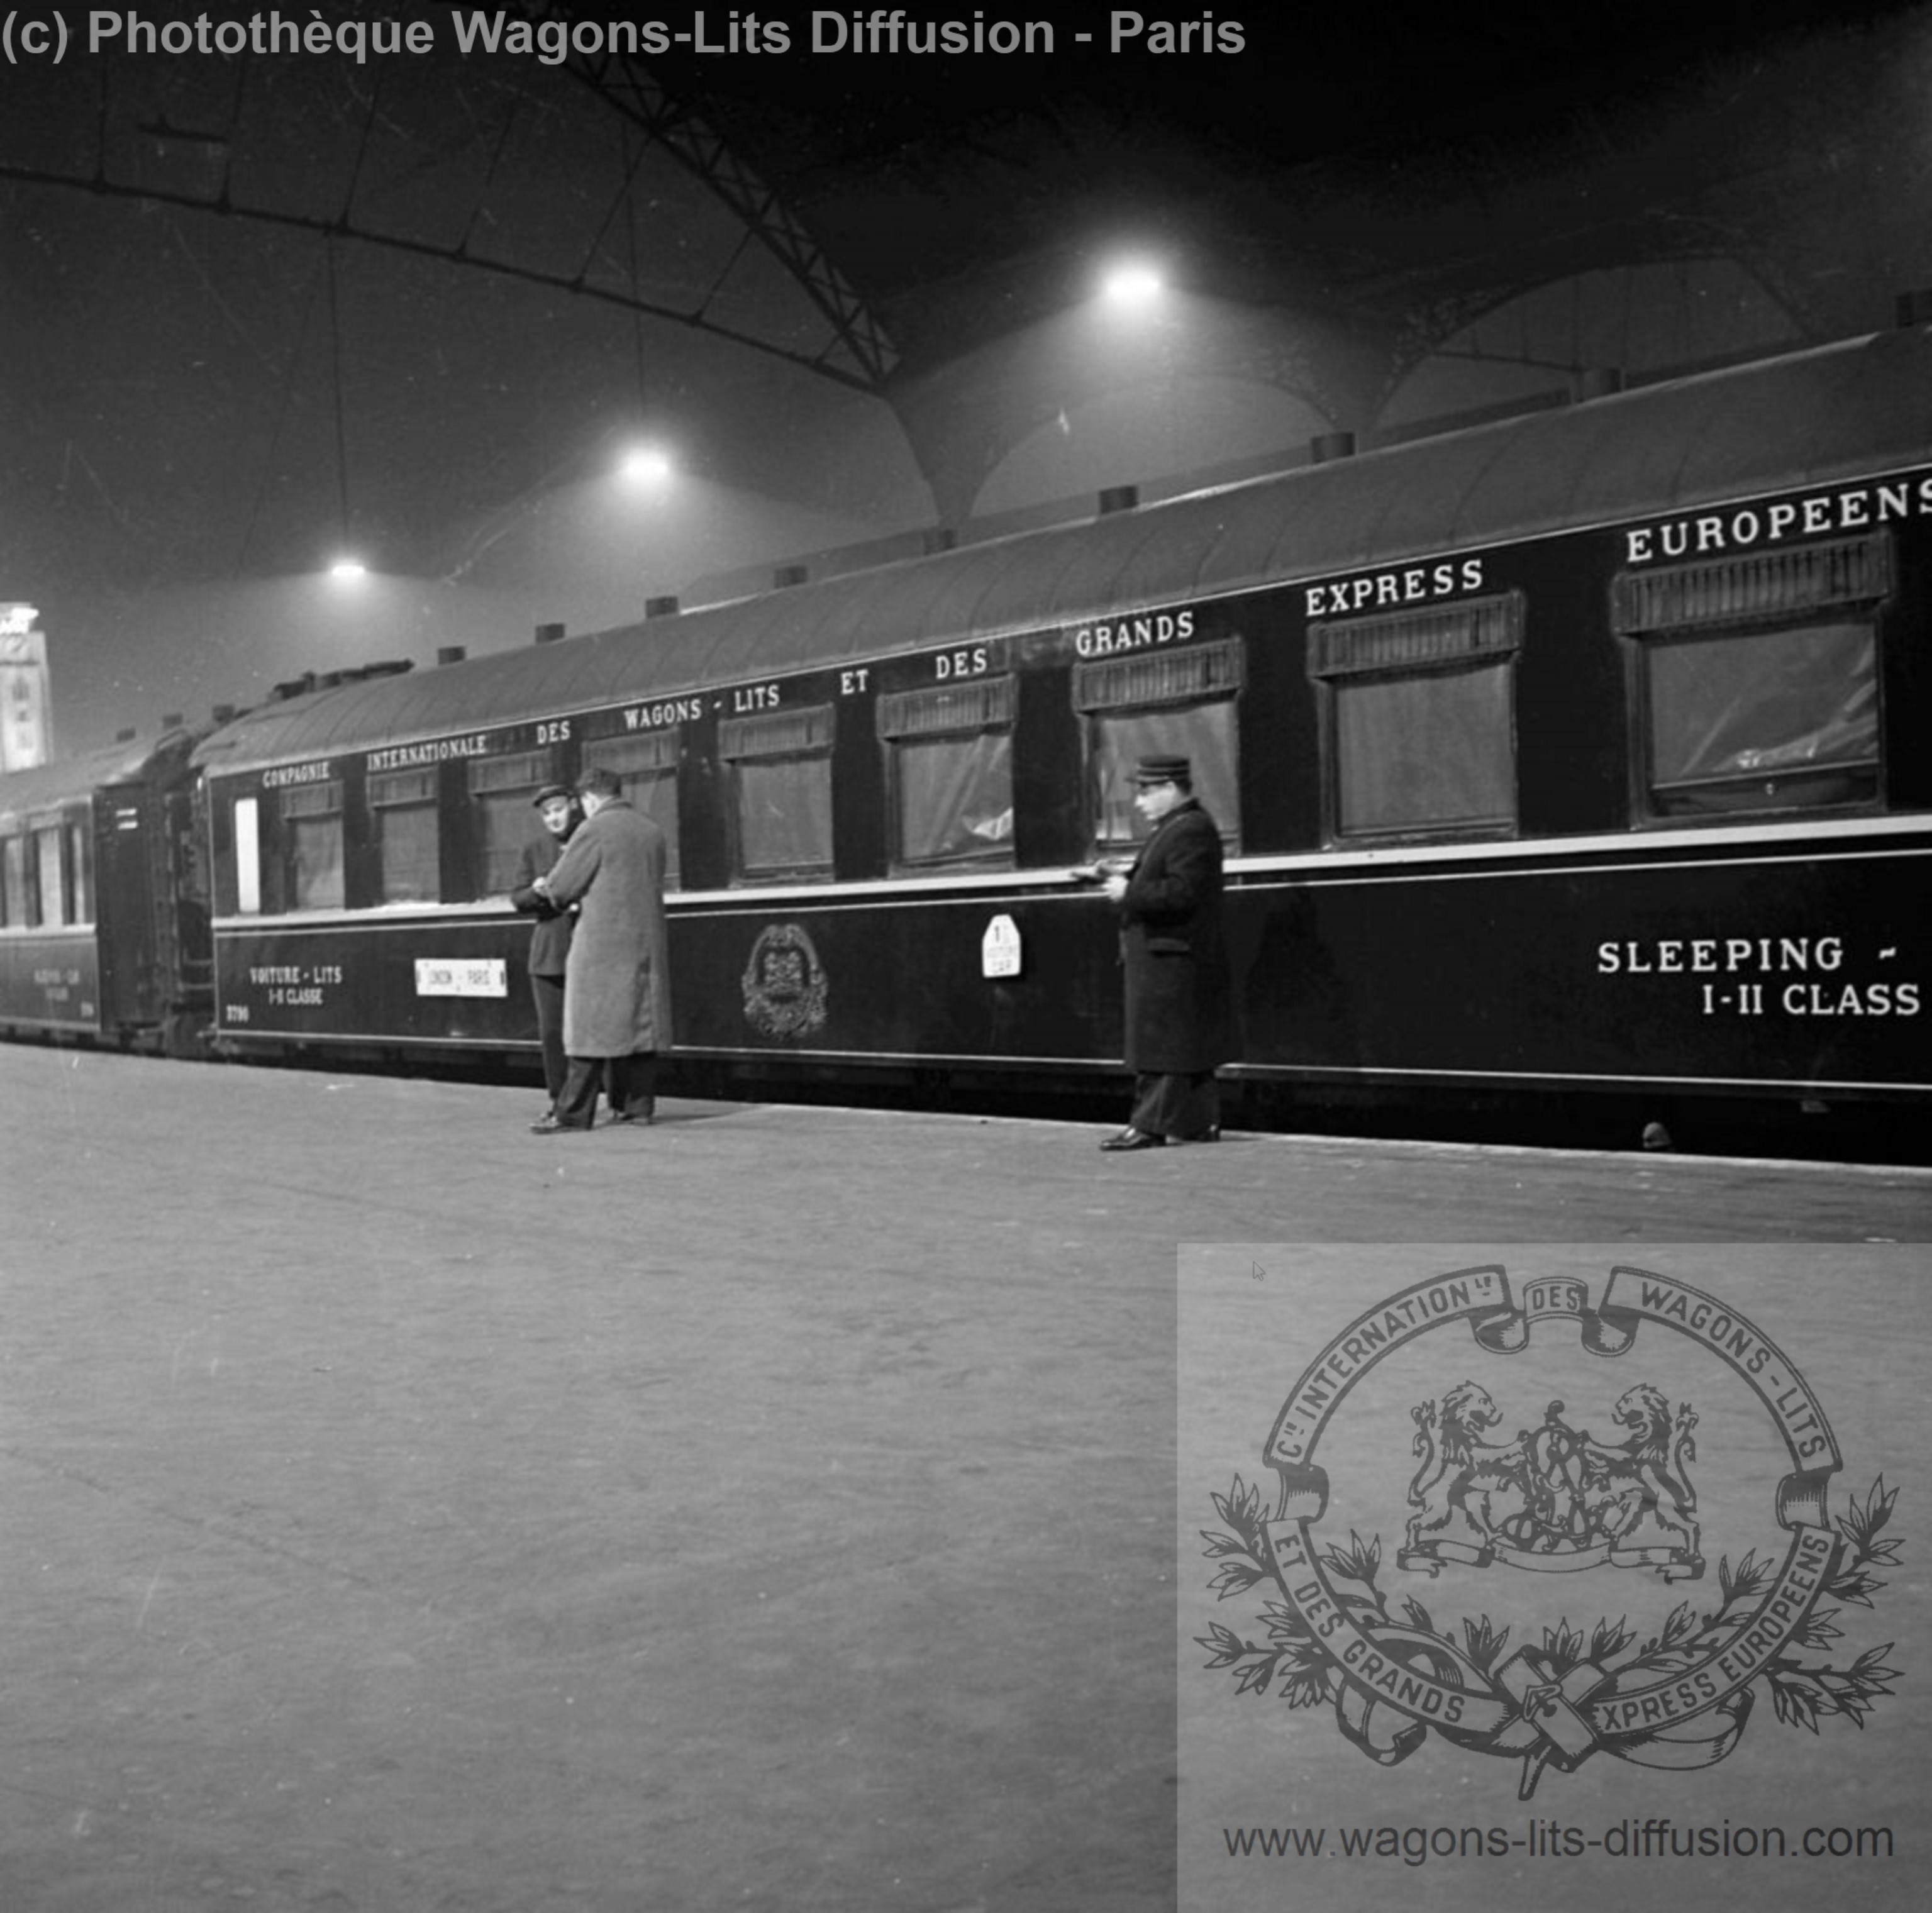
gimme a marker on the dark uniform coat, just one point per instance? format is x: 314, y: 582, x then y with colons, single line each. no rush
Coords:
x: 550, y: 936
x: 616, y: 991
x: 1180, y: 1019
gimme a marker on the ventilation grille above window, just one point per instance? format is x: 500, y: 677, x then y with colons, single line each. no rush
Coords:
x: 977, y: 706
x: 1429, y: 636
x: 524, y: 771
x: 651, y: 751
x: 1162, y: 677
x: 322, y: 799
x: 402, y: 787
x: 776, y: 733
x: 1763, y: 584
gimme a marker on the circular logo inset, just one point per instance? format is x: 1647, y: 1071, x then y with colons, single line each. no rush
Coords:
x: 1499, y: 1500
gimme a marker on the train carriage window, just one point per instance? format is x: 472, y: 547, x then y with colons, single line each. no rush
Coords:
x: 408, y: 835
x: 501, y: 790
x: 50, y: 875
x: 1418, y: 719
x: 80, y: 870
x: 645, y: 764
x: 949, y: 753
x: 1180, y: 703
x: 246, y: 836
x: 1757, y: 679
x: 312, y: 838
x: 13, y: 882
x: 781, y: 765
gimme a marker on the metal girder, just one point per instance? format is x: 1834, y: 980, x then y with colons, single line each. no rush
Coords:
x: 858, y: 355
x: 625, y: 83
x: 344, y: 227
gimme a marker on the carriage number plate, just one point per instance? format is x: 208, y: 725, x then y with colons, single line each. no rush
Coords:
x: 474, y: 976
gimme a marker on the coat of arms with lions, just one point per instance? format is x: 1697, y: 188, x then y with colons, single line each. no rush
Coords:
x: 1554, y: 1498
x: 1553, y: 1491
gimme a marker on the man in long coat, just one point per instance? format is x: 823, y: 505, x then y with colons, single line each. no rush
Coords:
x: 1180, y: 1019
x: 617, y: 985
x: 549, y: 937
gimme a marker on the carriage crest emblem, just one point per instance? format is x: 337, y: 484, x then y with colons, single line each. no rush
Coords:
x: 784, y: 984
x: 1495, y: 1503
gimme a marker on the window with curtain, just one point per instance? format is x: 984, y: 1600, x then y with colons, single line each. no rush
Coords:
x: 312, y: 838
x: 950, y: 754
x: 1756, y: 678
x: 645, y: 764
x: 13, y: 882
x: 1179, y: 703
x: 49, y: 870
x: 502, y: 793
x: 1419, y: 724
x: 781, y: 764
x: 80, y: 868
x: 408, y: 840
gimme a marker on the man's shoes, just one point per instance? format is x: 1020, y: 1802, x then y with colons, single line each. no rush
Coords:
x: 550, y: 1127
x: 643, y: 1117
x: 1132, y: 1138
x: 1211, y: 1135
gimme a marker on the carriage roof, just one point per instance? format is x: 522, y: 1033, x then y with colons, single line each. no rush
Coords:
x: 1831, y: 413
x: 45, y: 787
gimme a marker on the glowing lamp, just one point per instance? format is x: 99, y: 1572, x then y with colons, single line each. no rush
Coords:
x: 1132, y: 286
x: 647, y: 465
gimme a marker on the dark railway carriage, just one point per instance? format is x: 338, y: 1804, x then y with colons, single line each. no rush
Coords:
x: 104, y: 932
x: 1568, y: 764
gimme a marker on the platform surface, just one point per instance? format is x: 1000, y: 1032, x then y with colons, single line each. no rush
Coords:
x: 772, y: 1509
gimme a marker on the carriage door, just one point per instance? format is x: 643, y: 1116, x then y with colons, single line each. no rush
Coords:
x: 125, y: 907
x: 183, y: 927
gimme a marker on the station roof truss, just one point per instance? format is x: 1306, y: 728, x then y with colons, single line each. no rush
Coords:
x: 161, y: 133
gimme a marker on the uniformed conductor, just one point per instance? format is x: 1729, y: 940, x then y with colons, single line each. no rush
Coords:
x: 1179, y: 1022
x: 617, y: 985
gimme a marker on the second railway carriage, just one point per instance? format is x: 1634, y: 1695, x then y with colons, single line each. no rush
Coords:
x: 1566, y: 763
x: 104, y: 899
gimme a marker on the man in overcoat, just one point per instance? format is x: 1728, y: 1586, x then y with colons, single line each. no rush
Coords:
x: 616, y: 988
x: 550, y: 935
x: 1180, y: 1020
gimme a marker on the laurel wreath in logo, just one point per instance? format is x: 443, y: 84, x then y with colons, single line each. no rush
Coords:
x: 1295, y: 1663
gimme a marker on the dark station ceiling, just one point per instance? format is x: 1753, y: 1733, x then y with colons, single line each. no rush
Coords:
x: 1352, y: 155
x: 960, y: 203
x: 247, y: 302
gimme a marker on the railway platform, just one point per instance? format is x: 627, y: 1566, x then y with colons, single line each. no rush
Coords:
x: 771, y: 1508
